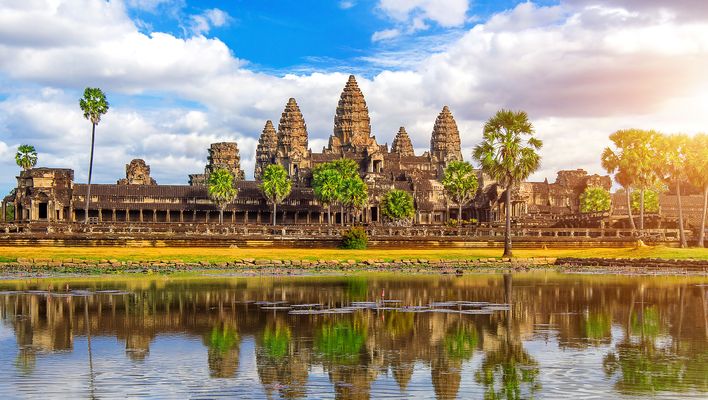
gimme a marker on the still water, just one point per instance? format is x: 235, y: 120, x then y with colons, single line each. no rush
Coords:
x: 541, y: 335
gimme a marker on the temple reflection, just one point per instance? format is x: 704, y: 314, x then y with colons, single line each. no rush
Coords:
x: 656, y: 332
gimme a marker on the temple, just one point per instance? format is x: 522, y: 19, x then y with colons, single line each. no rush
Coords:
x: 50, y: 194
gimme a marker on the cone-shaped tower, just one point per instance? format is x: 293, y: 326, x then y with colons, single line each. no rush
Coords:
x: 352, y: 126
x: 292, y: 131
x: 402, y: 143
x: 445, y: 140
x: 266, y: 150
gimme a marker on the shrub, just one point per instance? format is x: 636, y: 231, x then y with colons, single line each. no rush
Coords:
x: 595, y: 199
x: 355, y: 239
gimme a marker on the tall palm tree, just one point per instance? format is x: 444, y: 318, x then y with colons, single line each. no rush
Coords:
x: 508, y: 154
x: 276, y: 186
x: 222, y: 190
x: 354, y: 195
x: 93, y: 104
x: 26, y: 156
x: 615, y: 163
x: 671, y: 167
x: 696, y: 167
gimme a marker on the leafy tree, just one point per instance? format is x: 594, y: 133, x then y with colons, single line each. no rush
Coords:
x: 635, y: 158
x: 276, y: 186
x: 460, y: 183
x: 398, y: 205
x: 696, y: 167
x: 507, y: 156
x: 594, y: 199
x: 26, y: 156
x: 93, y: 104
x: 651, y: 201
x: 355, y: 238
x: 671, y: 167
x: 325, y: 184
x: 222, y: 190
x: 353, y: 194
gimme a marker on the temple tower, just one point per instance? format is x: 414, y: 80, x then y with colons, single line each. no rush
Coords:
x: 137, y: 173
x: 224, y: 155
x: 445, y: 140
x: 352, y: 125
x: 402, y: 143
x: 266, y: 150
x: 292, y: 152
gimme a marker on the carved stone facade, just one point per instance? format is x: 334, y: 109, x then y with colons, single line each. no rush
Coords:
x: 402, y: 143
x: 221, y: 155
x: 445, y: 140
x: 137, y: 173
x: 267, y: 149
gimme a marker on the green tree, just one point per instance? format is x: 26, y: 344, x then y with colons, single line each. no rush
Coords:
x: 325, y: 184
x: 614, y: 163
x: 94, y: 105
x: 508, y: 157
x: 26, y: 156
x: 353, y: 195
x: 222, y: 190
x: 696, y: 167
x: 460, y: 183
x: 594, y: 199
x: 671, y: 167
x: 651, y: 201
x: 398, y: 205
x: 276, y: 186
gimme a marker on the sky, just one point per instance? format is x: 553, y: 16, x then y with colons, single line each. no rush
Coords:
x: 181, y: 74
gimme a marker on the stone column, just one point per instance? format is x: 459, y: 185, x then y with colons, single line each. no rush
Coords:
x: 168, y: 218
x: 100, y: 215
x: 154, y: 215
x: 141, y: 215
x: 206, y: 219
x: 258, y: 217
x: 296, y: 213
x: 245, y: 217
x: 127, y: 215
x: 308, y: 218
x: 233, y: 216
x: 181, y: 215
x: 113, y: 217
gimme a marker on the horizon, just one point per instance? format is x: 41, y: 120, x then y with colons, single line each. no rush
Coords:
x: 183, y: 74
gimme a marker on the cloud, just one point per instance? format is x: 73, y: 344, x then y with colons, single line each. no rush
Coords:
x: 446, y: 13
x: 213, y: 18
x: 580, y: 70
x: 386, y: 34
x: 346, y: 4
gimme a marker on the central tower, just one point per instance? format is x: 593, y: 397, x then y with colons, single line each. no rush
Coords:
x: 352, y: 126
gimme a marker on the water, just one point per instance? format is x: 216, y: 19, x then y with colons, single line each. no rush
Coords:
x: 367, y: 336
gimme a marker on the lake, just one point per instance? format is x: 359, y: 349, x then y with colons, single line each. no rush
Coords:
x: 542, y: 335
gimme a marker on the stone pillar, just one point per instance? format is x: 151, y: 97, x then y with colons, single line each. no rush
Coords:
x: 296, y: 213
x: 168, y: 218
x: 154, y: 215
x: 258, y: 217
x: 233, y: 216
x: 206, y: 219
x: 194, y: 216
x: 127, y: 215
x: 100, y: 215
x: 181, y: 215
x: 245, y: 217
x: 308, y: 217
x: 141, y: 215
x: 113, y: 217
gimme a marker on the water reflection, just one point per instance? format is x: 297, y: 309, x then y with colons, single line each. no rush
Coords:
x: 650, y: 335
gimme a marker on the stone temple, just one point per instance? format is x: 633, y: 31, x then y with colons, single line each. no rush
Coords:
x: 50, y: 194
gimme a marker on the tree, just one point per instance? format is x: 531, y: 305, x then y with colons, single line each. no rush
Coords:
x: 222, y: 190
x: 507, y: 156
x: 651, y: 201
x: 594, y: 199
x: 460, y: 183
x: 353, y: 194
x: 671, y: 167
x: 26, y: 156
x: 325, y: 184
x: 614, y: 163
x: 696, y: 167
x: 93, y: 104
x: 398, y: 205
x: 276, y: 186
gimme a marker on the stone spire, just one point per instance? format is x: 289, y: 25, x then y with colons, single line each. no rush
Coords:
x: 137, y: 173
x: 352, y: 126
x: 445, y: 140
x: 224, y: 155
x: 266, y: 149
x: 292, y: 131
x: 402, y: 143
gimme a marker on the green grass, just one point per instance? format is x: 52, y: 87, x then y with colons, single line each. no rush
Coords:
x: 8, y: 254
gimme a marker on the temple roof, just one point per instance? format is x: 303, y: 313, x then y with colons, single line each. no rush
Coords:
x: 445, y: 140
x: 352, y: 126
x: 402, y: 143
x: 292, y: 130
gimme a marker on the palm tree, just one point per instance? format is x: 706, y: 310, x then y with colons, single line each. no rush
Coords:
x: 93, y: 104
x: 696, y: 167
x: 614, y: 162
x: 398, y: 205
x: 354, y: 194
x: 325, y: 184
x: 221, y: 189
x: 507, y: 157
x: 672, y: 169
x: 275, y: 186
x: 26, y: 156
x: 460, y: 183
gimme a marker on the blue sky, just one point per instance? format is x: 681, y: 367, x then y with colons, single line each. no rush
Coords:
x: 182, y: 74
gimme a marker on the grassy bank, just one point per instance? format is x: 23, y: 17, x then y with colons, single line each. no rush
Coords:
x: 214, y: 255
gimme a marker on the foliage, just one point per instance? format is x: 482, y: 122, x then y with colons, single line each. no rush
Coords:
x: 452, y: 222
x: 26, y: 156
x: 342, y: 341
x: 353, y: 193
x: 325, y: 184
x: 221, y: 188
x: 93, y: 104
x: 598, y: 326
x: 339, y: 181
x: 594, y: 199
x: 275, y: 185
x: 276, y: 342
x: 646, y: 322
x: 355, y: 238
x: 696, y: 167
x: 222, y: 338
x: 461, y: 342
x: 651, y: 201
x: 357, y: 287
x: 9, y: 212
x: 506, y: 371
x: 398, y: 205
x: 460, y: 182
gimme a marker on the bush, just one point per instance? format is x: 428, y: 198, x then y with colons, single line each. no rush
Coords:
x: 355, y: 239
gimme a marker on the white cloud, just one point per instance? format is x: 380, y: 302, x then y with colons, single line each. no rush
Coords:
x: 446, y: 13
x: 385, y: 34
x: 346, y: 4
x: 213, y: 18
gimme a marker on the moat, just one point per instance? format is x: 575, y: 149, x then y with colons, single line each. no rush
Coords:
x: 525, y: 335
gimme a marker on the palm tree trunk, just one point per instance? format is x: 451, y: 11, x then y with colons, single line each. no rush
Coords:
x: 221, y: 216
x: 507, y: 227
x: 641, y: 211
x: 275, y: 211
x: 341, y: 215
x: 702, y: 233
x: 629, y: 209
x: 329, y: 214
x: 88, y: 187
x: 682, y: 235
x: 459, y: 218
